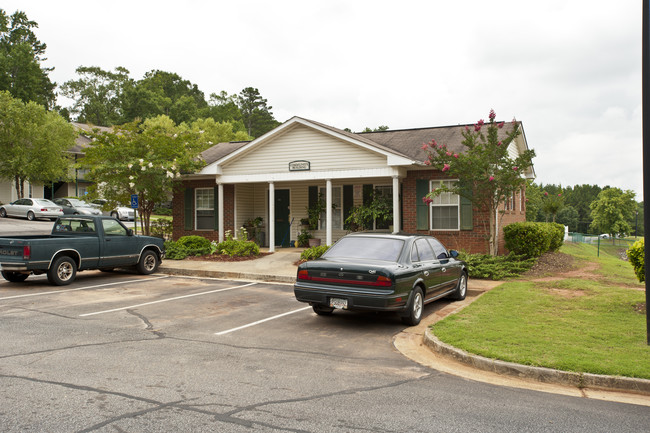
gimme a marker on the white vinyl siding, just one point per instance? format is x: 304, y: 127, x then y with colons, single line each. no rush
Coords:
x: 302, y: 143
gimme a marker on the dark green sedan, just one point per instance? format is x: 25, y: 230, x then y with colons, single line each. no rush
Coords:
x: 382, y: 272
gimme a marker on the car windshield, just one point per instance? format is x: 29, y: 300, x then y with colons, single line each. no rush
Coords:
x: 371, y: 248
x: 78, y: 203
x: 44, y: 202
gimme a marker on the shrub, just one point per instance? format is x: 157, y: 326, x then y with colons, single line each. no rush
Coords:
x: 314, y: 252
x: 557, y: 236
x: 238, y: 247
x: 195, y: 245
x: 530, y: 239
x: 173, y: 251
x: 489, y: 267
x: 636, y: 254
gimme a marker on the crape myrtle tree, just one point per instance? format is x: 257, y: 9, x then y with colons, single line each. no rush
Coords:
x: 145, y: 158
x: 487, y: 174
x: 33, y: 143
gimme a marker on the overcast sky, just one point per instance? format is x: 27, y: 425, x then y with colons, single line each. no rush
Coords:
x: 570, y: 70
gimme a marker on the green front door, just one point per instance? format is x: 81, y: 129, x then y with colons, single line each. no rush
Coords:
x: 282, y: 212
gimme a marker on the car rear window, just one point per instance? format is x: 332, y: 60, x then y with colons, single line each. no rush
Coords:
x: 370, y: 248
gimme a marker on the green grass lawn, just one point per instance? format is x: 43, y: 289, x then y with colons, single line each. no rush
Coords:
x: 593, y: 323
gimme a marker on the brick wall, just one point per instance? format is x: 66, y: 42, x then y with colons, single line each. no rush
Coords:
x: 472, y: 241
x: 178, y: 209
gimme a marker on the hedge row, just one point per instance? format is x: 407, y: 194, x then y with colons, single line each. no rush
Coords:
x: 532, y: 239
x: 636, y: 255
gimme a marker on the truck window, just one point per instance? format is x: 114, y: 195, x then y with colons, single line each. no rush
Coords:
x: 113, y: 228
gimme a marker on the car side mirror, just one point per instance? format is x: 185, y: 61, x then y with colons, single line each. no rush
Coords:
x: 453, y: 253
x: 129, y: 232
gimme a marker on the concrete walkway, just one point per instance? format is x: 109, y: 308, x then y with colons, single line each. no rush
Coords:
x: 420, y: 344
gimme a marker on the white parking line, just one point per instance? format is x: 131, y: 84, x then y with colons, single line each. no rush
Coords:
x: 82, y: 288
x: 166, y: 300
x: 261, y: 321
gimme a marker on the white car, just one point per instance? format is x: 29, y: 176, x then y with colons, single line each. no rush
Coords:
x: 32, y: 208
x: 121, y: 213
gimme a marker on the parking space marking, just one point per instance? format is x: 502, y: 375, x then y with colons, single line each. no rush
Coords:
x: 166, y: 300
x: 82, y: 288
x: 261, y: 321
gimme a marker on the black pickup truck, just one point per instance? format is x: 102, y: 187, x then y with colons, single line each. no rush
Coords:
x: 78, y: 243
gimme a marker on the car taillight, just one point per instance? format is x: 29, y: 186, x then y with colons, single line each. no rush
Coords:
x: 381, y: 280
x: 27, y: 252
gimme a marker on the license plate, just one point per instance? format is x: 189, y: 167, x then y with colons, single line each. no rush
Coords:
x: 339, y: 303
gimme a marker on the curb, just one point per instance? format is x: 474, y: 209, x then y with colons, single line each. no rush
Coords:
x: 227, y: 275
x: 540, y: 374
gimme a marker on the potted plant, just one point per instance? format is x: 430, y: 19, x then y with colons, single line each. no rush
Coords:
x: 304, y: 237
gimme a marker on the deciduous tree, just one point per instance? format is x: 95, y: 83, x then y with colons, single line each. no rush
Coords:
x: 21, y: 54
x: 144, y: 158
x: 487, y: 174
x: 612, y: 211
x: 33, y: 143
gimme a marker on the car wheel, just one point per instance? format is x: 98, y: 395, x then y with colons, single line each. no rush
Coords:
x: 62, y: 272
x: 3, y: 213
x: 461, y: 288
x: 14, y: 277
x: 31, y: 216
x: 415, y: 308
x: 322, y: 310
x: 148, y: 263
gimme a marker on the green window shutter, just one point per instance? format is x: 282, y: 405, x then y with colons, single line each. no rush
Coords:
x: 348, y: 201
x: 367, y: 194
x: 216, y: 208
x: 421, y: 208
x: 189, y: 207
x: 466, y: 214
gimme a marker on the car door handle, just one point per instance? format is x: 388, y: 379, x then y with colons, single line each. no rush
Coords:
x: 426, y: 273
x: 444, y: 269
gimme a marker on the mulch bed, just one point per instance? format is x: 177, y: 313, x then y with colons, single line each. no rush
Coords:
x: 224, y: 258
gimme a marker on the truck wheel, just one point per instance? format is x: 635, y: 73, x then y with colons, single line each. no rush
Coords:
x: 14, y: 277
x: 415, y: 308
x: 62, y: 271
x: 31, y: 216
x: 148, y: 263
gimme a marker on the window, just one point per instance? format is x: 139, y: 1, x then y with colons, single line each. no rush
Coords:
x: 439, y: 251
x: 422, y: 251
x: 113, y: 228
x: 445, y: 208
x: 204, y: 208
x: 337, y: 209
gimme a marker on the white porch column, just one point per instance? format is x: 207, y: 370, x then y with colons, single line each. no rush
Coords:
x: 396, y: 221
x: 271, y: 217
x: 220, y: 211
x: 328, y: 211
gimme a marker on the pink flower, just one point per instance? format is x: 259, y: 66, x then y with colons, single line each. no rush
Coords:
x: 427, y: 162
x: 480, y: 122
x: 477, y: 128
x: 545, y: 194
x: 500, y: 125
x: 455, y: 155
x: 433, y: 143
x: 499, y: 143
x: 491, y: 178
x: 466, y: 128
x: 448, y: 153
x: 559, y: 195
x: 492, y: 114
x: 515, y: 168
x: 424, y: 146
x: 445, y: 167
x: 427, y: 200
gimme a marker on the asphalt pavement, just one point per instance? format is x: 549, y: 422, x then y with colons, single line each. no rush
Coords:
x: 421, y: 345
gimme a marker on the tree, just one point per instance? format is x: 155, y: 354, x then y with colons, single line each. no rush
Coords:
x: 487, y: 173
x: 568, y: 216
x: 21, y: 54
x: 552, y: 204
x: 97, y: 94
x: 33, y: 143
x: 612, y: 210
x: 145, y: 158
x: 256, y: 114
x: 215, y: 132
x: 161, y: 92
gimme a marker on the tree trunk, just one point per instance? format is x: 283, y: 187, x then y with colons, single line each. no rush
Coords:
x: 20, y: 186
